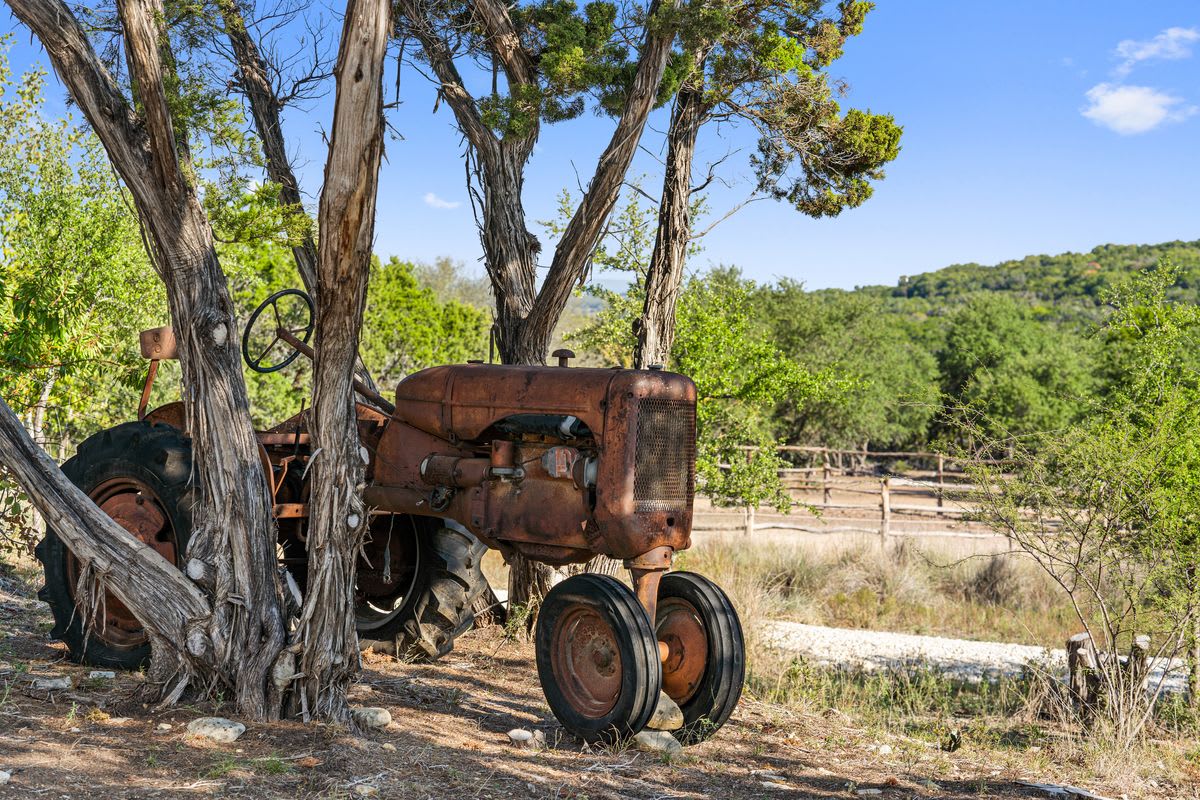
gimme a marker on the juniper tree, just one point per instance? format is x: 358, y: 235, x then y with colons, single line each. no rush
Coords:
x: 762, y: 64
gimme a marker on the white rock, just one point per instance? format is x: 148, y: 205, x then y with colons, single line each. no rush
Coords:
x: 101, y: 675
x: 50, y: 684
x: 371, y: 717
x: 667, y: 715
x: 868, y: 792
x: 164, y: 726
x: 391, y: 748
x: 779, y: 787
x: 362, y: 790
x: 657, y: 742
x: 116, y: 722
x: 5, y: 776
x: 885, y: 749
x: 76, y: 730
x: 218, y: 729
x: 528, y: 739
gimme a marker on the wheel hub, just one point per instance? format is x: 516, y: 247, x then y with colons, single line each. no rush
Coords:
x: 586, y: 661
x: 134, y: 506
x: 680, y: 627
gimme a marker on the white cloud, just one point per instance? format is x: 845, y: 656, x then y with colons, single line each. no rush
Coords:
x: 1172, y: 44
x: 433, y: 201
x: 1130, y: 110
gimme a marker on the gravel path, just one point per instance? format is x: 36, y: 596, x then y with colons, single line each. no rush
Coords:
x: 960, y: 658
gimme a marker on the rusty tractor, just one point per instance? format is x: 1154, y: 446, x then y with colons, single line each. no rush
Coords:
x: 556, y: 463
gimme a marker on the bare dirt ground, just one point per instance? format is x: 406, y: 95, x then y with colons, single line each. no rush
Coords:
x: 448, y: 740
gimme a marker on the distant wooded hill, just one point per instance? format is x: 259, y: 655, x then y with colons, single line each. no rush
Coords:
x: 1077, y: 278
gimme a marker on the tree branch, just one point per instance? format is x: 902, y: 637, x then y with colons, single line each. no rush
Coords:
x: 453, y: 90
x: 582, y: 233
x: 265, y: 106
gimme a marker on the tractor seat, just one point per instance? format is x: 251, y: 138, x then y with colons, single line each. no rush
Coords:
x: 159, y: 343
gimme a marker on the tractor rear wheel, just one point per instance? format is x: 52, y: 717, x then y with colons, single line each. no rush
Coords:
x: 138, y: 474
x: 423, y: 600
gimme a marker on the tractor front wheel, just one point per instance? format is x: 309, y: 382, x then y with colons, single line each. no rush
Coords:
x: 597, y: 658
x: 706, y: 653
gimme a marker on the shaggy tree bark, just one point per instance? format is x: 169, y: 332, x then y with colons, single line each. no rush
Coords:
x: 235, y: 535
x: 266, y: 108
x: 525, y: 315
x: 656, y: 328
x: 347, y: 222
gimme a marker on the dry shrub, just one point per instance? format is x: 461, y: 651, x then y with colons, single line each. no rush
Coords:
x: 896, y: 576
x: 1009, y: 580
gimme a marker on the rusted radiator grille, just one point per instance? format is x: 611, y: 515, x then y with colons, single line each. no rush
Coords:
x: 664, y: 470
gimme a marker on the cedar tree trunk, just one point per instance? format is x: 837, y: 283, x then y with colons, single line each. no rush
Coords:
x: 656, y: 327
x: 347, y: 218
x: 234, y: 540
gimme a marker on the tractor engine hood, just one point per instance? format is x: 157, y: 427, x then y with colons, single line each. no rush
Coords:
x: 565, y: 461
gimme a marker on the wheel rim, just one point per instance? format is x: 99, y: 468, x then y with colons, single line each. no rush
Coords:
x: 585, y: 658
x: 135, y: 507
x: 680, y: 626
x: 381, y: 597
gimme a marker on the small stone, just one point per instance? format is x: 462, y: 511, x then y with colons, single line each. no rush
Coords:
x: 75, y: 730
x: 101, y: 675
x: 521, y: 737
x: 218, y: 729
x: 371, y: 717
x: 116, y: 722
x: 52, y: 684
x: 391, y: 748
x: 868, y: 792
x: 885, y: 749
x: 5, y: 776
x: 667, y: 715
x: 164, y: 726
x: 362, y: 790
x: 779, y: 787
x: 657, y: 742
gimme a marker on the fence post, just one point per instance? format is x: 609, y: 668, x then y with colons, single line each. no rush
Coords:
x: 1139, y: 663
x: 826, y: 491
x: 941, y: 478
x: 885, y: 509
x: 1083, y: 676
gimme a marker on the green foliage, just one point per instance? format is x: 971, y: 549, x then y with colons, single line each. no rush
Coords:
x: 764, y: 63
x: 740, y: 377
x: 1109, y: 504
x: 1076, y: 284
x: 886, y: 391
x: 75, y: 285
x: 1021, y: 377
x: 407, y: 327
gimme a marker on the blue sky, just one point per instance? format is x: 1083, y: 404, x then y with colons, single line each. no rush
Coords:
x: 1030, y: 127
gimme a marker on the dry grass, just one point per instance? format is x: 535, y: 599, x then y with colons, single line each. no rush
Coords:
x: 996, y: 597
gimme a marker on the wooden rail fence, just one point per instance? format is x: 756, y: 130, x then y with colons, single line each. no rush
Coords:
x: 851, y: 472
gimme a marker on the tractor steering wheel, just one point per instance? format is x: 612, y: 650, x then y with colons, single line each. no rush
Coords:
x: 292, y: 313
